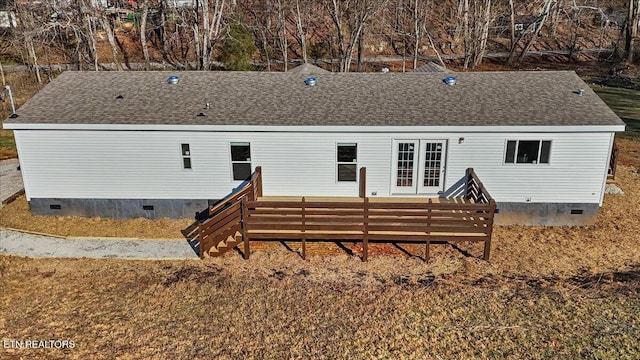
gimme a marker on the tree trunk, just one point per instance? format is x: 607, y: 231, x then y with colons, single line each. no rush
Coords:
x: 435, y: 50
x: 4, y: 82
x: 537, y: 28
x: 466, y: 33
x: 417, y: 34
x: 484, y: 35
x: 106, y: 25
x: 360, y: 51
x: 336, y: 17
x: 143, y: 36
x: 303, y: 35
x: 28, y: 42
x: 513, y: 25
x: 282, y: 32
x: 633, y: 16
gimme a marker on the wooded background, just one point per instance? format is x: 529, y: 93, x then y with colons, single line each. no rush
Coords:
x: 238, y: 34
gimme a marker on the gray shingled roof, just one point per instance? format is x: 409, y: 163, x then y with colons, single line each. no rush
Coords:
x: 351, y: 99
x: 308, y: 69
x: 431, y: 67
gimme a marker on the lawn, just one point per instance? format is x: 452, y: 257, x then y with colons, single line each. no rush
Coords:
x: 626, y: 104
x: 548, y: 292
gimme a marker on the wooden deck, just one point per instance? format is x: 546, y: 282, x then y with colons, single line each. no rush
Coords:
x: 248, y: 215
x: 408, y: 200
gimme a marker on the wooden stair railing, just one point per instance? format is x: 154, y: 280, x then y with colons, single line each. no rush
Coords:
x: 222, y: 231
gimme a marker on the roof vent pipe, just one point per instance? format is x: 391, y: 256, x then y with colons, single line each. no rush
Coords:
x: 173, y: 79
x: 311, y: 81
x: 450, y: 80
x: 385, y: 70
x: 580, y: 92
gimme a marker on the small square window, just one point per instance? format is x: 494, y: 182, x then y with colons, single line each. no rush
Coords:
x: 347, y: 172
x: 240, y: 152
x: 241, y: 171
x: 186, y: 162
x: 186, y: 156
x: 241, y: 160
x: 347, y: 158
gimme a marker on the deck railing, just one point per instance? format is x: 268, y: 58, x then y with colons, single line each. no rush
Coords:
x: 368, y: 221
x: 613, y: 162
x: 252, y: 189
x: 225, y: 217
x: 476, y: 192
x: 361, y: 221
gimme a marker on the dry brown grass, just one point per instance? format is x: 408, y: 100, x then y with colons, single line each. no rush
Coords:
x: 277, y: 307
x: 17, y: 215
x: 561, y: 292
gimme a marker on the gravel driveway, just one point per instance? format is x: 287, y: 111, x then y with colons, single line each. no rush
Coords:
x: 10, y: 178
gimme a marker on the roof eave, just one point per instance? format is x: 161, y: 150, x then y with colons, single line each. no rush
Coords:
x: 348, y: 129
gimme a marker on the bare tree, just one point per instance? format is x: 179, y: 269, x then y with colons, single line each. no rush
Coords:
x: 207, y: 29
x: 512, y: 29
x: 282, y: 35
x: 105, y: 21
x: 302, y: 34
x: 143, y: 34
x: 350, y: 18
x: 534, y: 29
x: 476, y: 31
x: 631, y: 28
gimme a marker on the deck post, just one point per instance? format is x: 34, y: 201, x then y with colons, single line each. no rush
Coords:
x: 201, y: 238
x: 365, y: 232
x: 259, y: 181
x: 487, y: 242
x: 243, y: 226
x: 304, y: 237
x: 428, y: 244
x: 363, y: 182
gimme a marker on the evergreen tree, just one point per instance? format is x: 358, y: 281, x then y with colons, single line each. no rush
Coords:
x: 238, y: 47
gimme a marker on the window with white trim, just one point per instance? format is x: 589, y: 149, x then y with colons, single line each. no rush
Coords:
x: 241, y: 160
x: 528, y: 152
x: 347, y: 161
x: 186, y: 156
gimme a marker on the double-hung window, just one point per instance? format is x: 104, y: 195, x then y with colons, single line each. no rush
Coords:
x: 347, y: 161
x: 241, y: 160
x: 186, y: 156
x: 528, y: 152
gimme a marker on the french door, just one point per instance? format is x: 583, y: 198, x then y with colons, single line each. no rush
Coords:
x: 418, y: 166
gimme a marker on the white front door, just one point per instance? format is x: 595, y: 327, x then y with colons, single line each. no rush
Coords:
x: 418, y: 166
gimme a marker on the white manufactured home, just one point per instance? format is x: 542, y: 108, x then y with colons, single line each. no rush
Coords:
x: 158, y: 144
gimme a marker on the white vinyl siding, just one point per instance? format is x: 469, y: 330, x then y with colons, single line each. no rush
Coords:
x: 139, y: 164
